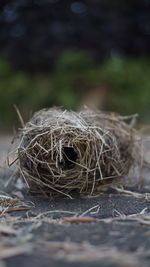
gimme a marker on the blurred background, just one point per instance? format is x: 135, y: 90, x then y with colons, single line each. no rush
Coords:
x: 74, y: 53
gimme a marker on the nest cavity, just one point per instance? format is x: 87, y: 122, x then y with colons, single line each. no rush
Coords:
x: 62, y: 151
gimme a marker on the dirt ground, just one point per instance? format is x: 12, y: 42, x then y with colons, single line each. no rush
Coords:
x: 110, y: 229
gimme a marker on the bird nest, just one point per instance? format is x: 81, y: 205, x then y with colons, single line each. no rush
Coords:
x: 62, y: 151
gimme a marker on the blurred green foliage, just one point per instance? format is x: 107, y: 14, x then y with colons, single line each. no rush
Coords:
x: 130, y: 84
x: 16, y: 87
x: 127, y: 81
x: 70, y: 74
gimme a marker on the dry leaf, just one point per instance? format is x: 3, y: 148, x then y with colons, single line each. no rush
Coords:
x: 79, y: 220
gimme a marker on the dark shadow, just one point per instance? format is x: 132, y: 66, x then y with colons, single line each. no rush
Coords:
x: 70, y: 157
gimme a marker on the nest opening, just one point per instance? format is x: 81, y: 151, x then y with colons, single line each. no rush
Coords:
x: 69, y: 158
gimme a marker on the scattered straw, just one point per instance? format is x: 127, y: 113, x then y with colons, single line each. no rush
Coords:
x: 9, y: 204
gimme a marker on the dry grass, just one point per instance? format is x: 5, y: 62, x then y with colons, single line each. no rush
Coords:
x: 62, y: 151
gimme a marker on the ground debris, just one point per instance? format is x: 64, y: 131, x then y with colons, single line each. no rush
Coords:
x: 2, y: 264
x: 8, y: 252
x: 134, y: 194
x: 85, y: 252
x: 9, y: 204
x: 7, y: 230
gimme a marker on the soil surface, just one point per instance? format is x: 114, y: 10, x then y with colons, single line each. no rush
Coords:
x: 110, y: 229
